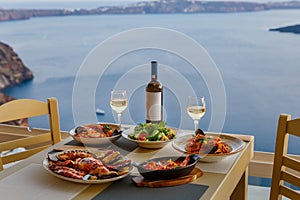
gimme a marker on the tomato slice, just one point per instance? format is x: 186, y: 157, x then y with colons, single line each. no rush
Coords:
x: 109, y: 133
x: 142, y: 136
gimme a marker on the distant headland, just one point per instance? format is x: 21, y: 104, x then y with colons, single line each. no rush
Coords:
x: 152, y: 7
x: 288, y: 29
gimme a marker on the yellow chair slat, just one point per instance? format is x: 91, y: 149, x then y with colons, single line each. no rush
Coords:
x: 31, y: 140
x: 289, y: 193
x: 22, y: 108
x: 22, y: 155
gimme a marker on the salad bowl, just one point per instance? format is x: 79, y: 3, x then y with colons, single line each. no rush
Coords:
x: 151, y: 136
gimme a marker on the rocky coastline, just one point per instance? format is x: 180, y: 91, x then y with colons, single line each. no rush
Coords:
x: 12, y: 69
x: 12, y: 72
x: 153, y: 7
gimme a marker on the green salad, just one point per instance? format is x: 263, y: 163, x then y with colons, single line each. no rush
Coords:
x: 152, y: 132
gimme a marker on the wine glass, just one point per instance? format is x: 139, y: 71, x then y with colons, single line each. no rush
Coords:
x: 118, y: 102
x: 196, y: 109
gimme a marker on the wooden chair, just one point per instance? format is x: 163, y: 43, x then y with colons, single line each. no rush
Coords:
x: 285, y: 169
x: 34, y: 141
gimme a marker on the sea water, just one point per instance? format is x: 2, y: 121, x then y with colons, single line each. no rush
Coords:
x: 259, y: 68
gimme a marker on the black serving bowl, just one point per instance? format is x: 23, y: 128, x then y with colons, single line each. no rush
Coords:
x: 168, y: 174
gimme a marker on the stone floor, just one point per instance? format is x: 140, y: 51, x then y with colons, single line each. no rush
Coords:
x: 258, y: 192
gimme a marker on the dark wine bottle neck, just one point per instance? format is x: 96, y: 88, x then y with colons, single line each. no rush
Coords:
x: 154, y: 70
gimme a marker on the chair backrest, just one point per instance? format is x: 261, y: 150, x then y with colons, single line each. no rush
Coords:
x: 33, y: 141
x: 285, y: 168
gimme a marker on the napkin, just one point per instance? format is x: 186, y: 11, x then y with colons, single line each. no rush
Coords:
x: 34, y: 182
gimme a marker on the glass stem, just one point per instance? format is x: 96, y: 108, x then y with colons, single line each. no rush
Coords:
x: 119, y: 119
x: 196, y: 122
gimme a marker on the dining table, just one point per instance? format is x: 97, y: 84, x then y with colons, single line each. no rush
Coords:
x: 224, y: 179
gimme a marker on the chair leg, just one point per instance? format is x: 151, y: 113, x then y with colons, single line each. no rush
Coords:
x: 1, y: 164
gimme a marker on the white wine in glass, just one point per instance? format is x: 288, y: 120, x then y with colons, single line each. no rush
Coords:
x: 196, y: 109
x: 118, y: 102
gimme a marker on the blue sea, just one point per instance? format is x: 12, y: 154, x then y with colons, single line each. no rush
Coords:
x: 258, y: 69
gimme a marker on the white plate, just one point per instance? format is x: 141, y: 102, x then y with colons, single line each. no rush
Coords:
x: 145, y: 144
x: 96, y: 141
x: 235, y: 143
x: 46, y: 166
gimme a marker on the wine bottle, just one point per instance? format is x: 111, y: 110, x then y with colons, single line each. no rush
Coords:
x: 154, y: 97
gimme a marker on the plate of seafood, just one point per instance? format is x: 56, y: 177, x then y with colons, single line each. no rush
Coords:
x: 85, y: 167
x: 210, y: 147
x: 96, y: 134
x: 151, y: 136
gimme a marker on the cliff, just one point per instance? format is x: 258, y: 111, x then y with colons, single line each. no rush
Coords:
x: 12, y: 69
x: 179, y: 6
x: 12, y: 72
x: 9, y: 15
x: 154, y: 7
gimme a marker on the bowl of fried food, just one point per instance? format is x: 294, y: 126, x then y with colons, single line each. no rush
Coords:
x: 163, y: 168
x: 96, y: 134
x: 211, y: 147
x: 150, y: 135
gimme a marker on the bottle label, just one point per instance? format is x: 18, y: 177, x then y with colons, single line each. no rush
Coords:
x: 153, y: 106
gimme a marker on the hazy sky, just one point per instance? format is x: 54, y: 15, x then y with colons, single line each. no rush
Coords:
x: 13, y: 1
x: 21, y: 1
x: 10, y: 1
